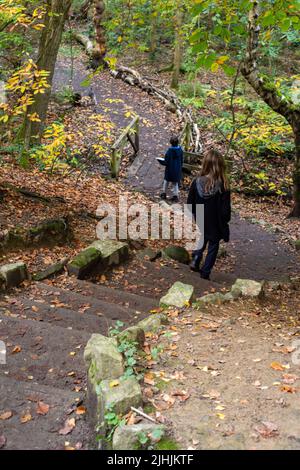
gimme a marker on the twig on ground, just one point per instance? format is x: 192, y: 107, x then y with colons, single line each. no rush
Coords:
x: 144, y: 415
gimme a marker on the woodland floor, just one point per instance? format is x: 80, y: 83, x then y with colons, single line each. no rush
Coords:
x: 225, y: 378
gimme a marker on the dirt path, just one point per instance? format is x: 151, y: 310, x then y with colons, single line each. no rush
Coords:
x: 254, y: 252
x: 119, y: 101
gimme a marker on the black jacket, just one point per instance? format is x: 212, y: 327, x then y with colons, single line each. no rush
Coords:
x: 217, y: 208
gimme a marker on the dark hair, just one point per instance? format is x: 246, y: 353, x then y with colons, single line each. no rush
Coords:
x: 174, y: 141
x: 214, y: 168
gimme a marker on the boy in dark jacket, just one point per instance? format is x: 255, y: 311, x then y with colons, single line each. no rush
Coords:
x: 173, y: 172
x: 212, y: 190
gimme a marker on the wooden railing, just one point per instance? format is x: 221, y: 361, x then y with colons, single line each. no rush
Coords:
x: 132, y: 135
x: 191, y: 160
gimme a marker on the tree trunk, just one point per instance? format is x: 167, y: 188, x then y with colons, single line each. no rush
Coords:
x: 100, y: 46
x: 153, y: 35
x: 296, y: 176
x: 55, y: 18
x: 178, y: 47
x: 268, y: 92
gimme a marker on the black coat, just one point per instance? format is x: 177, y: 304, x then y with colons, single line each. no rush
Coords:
x: 217, y: 209
x: 173, y: 162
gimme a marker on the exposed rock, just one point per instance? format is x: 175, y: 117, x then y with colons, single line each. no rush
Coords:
x: 103, y: 359
x: 121, y: 396
x: 149, y: 254
x: 129, y: 437
x: 49, y: 233
x: 216, y: 298
x: 52, y: 270
x: 247, y: 288
x: 228, y: 297
x: 112, y: 253
x: 134, y: 334
x: 179, y: 295
x: 84, y: 263
x: 97, y: 257
x: 178, y: 253
x: 297, y: 245
x: 13, y: 274
x: 153, y: 323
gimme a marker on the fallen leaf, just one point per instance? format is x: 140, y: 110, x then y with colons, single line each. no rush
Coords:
x: 277, y: 366
x: 80, y: 410
x: 42, y: 408
x: 68, y: 427
x: 131, y: 418
x: 288, y: 389
x: 114, y: 383
x: 6, y: 415
x: 267, y: 429
x: 25, y: 418
x: 284, y: 349
x: 213, y: 394
x: 149, y: 379
x: 290, y: 378
x: 16, y: 350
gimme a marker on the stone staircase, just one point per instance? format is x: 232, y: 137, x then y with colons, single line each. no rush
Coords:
x: 46, y: 327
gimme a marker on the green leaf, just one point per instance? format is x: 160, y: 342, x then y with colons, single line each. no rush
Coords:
x: 200, y: 47
x: 196, y: 36
x: 157, y: 434
x: 143, y: 439
x: 230, y: 71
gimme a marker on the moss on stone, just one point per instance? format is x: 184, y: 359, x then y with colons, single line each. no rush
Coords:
x: 166, y: 444
x: 85, y: 257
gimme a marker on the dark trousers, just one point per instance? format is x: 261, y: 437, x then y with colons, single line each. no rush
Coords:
x: 211, y: 257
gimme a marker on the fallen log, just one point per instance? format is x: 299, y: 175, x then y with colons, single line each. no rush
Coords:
x: 84, y: 41
x: 168, y: 97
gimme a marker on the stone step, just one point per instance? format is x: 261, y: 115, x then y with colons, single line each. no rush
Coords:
x: 38, y: 310
x: 136, y: 302
x: 41, y: 432
x: 43, y: 353
x: 80, y: 302
x: 154, y: 279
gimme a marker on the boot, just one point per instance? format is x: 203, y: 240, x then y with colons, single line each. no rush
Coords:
x: 204, y: 276
x: 195, y: 263
x: 163, y: 196
x: 175, y: 199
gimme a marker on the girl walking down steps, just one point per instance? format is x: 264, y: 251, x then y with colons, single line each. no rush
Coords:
x: 211, y: 188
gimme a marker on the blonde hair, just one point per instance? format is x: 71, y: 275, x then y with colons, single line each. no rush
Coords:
x: 214, y: 168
